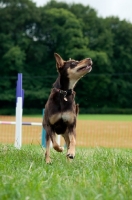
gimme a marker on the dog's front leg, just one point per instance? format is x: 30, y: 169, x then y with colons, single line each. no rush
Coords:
x: 67, y: 141
x: 72, y: 143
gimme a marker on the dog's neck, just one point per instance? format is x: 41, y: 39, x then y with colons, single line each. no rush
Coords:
x: 64, y: 83
x: 72, y: 83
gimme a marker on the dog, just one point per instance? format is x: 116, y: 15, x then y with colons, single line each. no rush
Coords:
x: 61, y: 110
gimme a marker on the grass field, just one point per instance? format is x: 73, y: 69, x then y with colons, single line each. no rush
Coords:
x: 95, y: 174
x: 105, y: 117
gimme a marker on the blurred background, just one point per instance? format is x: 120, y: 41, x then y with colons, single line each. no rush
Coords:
x: 30, y: 33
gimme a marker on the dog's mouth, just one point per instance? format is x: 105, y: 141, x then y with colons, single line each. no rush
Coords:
x: 85, y: 68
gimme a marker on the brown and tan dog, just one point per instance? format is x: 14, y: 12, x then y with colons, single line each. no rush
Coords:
x: 61, y: 109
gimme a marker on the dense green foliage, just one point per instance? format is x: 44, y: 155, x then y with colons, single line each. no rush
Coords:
x: 29, y: 36
x: 97, y: 173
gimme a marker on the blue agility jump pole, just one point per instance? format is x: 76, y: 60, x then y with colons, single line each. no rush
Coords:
x: 19, y: 123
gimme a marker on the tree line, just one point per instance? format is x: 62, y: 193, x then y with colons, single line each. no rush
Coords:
x: 29, y: 36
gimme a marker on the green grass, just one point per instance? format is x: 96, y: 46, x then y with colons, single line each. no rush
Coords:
x: 95, y: 174
x: 106, y: 117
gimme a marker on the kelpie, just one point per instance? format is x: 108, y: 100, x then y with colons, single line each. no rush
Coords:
x: 60, y: 109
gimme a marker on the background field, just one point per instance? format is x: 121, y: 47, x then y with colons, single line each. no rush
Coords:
x: 108, y: 117
x: 95, y: 174
x: 92, y: 131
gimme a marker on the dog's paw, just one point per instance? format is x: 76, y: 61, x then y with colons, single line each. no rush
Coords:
x: 48, y: 161
x: 71, y: 156
x: 58, y: 148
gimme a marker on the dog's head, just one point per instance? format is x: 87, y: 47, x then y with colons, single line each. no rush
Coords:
x: 73, y: 69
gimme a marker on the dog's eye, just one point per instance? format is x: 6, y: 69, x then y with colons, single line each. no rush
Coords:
x: 73, y: 64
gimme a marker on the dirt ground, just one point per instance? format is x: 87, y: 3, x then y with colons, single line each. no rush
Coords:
x: 89, y: 133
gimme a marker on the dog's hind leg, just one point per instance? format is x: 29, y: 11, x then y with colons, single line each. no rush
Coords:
x: 47, y: 154
x: 48, y: 140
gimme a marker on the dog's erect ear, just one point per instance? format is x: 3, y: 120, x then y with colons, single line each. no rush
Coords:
x: 59, y: 61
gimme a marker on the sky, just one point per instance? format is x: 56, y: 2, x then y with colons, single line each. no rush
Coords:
x: 104, y: 8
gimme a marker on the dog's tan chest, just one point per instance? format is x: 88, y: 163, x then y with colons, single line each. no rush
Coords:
x: 66, y: 116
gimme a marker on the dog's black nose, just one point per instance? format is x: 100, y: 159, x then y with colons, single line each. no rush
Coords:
x: 89, y: 59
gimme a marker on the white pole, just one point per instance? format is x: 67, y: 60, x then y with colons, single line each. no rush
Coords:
x: 16, y: 131
x: 18, y: 139
x: 18, y: 134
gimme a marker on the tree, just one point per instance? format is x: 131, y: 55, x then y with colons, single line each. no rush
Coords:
x: 18, y: 18
x: 29, y: 36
